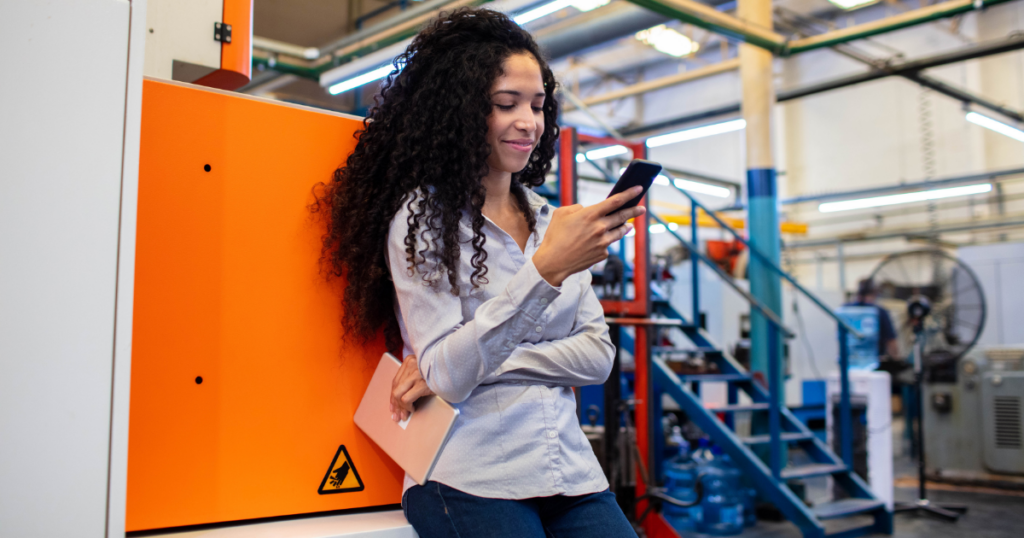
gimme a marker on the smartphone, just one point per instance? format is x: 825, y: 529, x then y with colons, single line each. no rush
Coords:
x: 639, y: 172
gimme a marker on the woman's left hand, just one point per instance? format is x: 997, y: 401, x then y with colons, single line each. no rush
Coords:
x: 407, y: 387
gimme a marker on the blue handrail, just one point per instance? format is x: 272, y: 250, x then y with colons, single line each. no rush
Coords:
x: 765, y: 259
x: 845, y: 424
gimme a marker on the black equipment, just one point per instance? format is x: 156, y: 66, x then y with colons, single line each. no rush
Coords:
x: 918, y: 309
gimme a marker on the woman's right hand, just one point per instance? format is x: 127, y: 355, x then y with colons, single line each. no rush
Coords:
x: 578, y: 237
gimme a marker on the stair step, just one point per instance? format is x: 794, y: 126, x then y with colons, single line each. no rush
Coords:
x: 739, y: 408
x: 813, y: 469
x: 787, y: 437
x: 706, y: 378
x: 846, y: 507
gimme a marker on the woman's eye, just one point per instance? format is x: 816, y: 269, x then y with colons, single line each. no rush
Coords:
x: 505, y: 107
x: 538, y: 109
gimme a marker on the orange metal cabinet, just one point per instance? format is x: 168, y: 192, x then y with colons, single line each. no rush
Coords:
x: 242, y: 388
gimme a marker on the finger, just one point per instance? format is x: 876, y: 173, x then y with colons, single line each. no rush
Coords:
x: 621, y: 217
x: 614, y: 202
x: 417, y: 391
x: 620, y: 232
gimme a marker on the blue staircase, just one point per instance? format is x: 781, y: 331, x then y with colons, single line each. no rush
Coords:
x: 686, y: 392
x: 784, y: 429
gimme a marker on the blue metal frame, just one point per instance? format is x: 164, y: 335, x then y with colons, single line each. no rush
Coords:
x: 783, y: 426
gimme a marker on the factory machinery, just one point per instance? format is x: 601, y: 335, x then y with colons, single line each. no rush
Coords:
x: 775, y: 431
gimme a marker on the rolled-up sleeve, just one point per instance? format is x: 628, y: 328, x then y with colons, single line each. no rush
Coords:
x: 456, y: 356
x: 583, y: 358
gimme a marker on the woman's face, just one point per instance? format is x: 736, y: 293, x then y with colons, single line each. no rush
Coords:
x: 517, y: 114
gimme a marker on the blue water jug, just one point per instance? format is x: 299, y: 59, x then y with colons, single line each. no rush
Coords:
x: 680, y: 480
x: 749, y: 506
x: 723, y: 502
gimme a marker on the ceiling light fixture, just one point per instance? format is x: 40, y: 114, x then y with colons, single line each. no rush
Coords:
x: 905, y: 198
x: 696, y: 132
x: 851, y: 4
x: 667, y: 40
x: 360, y: 80
x: 557, y: 5
x: 602, y: 153
x: 694, y: 186
x: 996, y: 125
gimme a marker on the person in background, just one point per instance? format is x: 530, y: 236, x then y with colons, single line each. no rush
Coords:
x: 888, y: 349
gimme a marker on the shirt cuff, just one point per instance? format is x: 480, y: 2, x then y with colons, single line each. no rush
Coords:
x: 530, y: 292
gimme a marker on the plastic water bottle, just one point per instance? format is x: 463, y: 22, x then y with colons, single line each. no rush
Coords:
x: 680, y: 480
x: 723, y: 502
x: 749, y: 506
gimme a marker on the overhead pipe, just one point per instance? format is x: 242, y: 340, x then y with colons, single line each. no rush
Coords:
x: 905, y: 68
x: 704, y: 16
x: 601, y: 25
x: 312, y: 62
x: 918, y: 77
x: 765, y: 37
x: 971, y: 226
x: 888, y: 24
x: 664, y: 82
x: 894, y: 189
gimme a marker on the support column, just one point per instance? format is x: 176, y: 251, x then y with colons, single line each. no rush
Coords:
x: 762, y: 199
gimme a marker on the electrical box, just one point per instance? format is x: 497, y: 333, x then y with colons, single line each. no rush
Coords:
x: 243, y: 386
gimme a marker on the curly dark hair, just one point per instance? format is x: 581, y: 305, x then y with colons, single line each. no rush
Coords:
x: 426, y: 134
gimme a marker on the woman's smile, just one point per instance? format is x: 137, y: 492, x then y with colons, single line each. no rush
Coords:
x: 522, y: 144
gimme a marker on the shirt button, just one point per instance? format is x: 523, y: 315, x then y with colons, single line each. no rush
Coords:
x: 552, y: 435
x: 509, y: 346
x: 539, y: 329
x: 543, y: 300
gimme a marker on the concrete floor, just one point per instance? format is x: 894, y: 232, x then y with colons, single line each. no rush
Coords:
x: 990, y: 516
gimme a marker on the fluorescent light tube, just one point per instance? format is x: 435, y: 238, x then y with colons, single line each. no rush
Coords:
x: 557, y: 5
x: 850, y: 4
x: 602, y: 153
x: 667, y: 40
x: 696, y: 132
x: 996, y: 126
x: 905, y: 198
x: 703, y: 188
x: 692, y: 186
x: 360, y: 80
x: 541, y: 11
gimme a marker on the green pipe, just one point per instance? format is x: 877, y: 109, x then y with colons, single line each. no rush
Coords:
x: 336, y: 60
x: 941, y: 11
x: 786, y: 48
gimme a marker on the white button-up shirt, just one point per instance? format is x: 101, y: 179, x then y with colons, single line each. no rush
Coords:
x: 505, y: 354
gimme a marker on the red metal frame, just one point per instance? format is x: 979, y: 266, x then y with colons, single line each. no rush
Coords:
x: 569, y: 140
x: 640, y: 306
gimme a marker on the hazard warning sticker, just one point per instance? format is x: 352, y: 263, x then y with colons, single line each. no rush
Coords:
x: 341, y: 476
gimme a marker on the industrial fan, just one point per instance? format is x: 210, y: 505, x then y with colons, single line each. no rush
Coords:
x: 957, y: 314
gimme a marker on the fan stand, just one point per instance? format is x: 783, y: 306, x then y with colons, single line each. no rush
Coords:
x: 948, y: 512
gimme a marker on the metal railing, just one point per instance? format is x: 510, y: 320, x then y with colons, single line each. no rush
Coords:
x: 846, y: 426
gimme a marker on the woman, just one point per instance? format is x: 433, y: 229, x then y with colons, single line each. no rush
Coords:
x: 445, y: 247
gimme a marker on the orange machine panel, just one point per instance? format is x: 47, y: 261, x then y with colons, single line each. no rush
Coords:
x: 242, y: 389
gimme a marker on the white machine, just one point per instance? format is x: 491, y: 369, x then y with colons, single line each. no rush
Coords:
x: 872, y: 389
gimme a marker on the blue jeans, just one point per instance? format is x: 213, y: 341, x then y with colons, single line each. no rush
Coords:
x: 438, y: 511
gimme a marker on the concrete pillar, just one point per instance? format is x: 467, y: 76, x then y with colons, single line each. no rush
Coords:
x: 762, y: 198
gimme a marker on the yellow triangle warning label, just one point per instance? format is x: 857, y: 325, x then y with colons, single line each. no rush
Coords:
x: 341, y: 476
